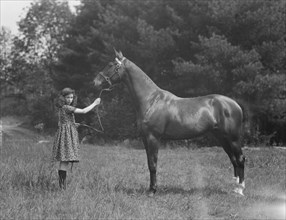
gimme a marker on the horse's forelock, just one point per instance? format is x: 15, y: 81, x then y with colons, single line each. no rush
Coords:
x: 119, y: 61
x: 119, y: 55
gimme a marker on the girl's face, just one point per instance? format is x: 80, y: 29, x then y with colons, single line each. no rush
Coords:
x: 69, y: 99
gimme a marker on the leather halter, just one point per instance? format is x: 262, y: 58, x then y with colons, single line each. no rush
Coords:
x: 118, y: 65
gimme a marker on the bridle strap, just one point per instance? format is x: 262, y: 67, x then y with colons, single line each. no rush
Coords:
x: 108, y: 79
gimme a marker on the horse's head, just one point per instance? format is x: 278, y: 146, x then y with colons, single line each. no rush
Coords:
x: 112, y: 73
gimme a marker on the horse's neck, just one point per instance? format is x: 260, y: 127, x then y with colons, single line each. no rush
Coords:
x: 139, y: 85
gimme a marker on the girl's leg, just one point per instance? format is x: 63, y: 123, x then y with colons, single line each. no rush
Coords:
x: 63, y: 174
x: 64, y: 165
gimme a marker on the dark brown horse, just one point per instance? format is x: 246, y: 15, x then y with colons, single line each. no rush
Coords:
x: 162, y: 115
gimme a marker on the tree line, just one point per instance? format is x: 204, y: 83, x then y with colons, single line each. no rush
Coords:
x: 189, y: 47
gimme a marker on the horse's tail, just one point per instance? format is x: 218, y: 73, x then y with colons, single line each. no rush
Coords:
x: 246, y: 130
x: 245, y: 113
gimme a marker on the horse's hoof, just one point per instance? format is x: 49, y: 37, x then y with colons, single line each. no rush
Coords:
x: 236, y: 179
x: 150, y: 193
x: 238, y: 191
x: 242, y: 185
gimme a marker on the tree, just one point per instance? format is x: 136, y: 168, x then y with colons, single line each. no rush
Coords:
x: 42, y: 33
x: 188, y: 47
x: 254, y: 24
x: 6, y: 45
x: 220, y: 68
x: 34, y: 54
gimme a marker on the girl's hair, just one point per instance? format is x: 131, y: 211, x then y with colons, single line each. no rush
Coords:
x: 61, y: 99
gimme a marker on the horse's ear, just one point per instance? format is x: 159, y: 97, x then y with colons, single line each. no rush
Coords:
x: 116, y: 53
x: 120, y: 55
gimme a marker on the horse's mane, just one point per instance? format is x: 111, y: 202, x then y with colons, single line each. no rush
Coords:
x: 138, y: 70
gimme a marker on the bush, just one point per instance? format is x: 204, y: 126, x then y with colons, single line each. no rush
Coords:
x: 13, y: 105
x: 42, y: 112
x: 117, y: 118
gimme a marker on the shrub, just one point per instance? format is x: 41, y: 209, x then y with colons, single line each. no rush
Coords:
x: 42, y: 112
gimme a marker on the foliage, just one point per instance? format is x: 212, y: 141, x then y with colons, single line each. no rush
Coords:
x: 34, y: 52
x: 13, y: 105
x: 43, y: 112
x: 43, y: 30
x: 220, y: 68
x: 232, y: 47
x: 118, y: 121
x: 6, y: 45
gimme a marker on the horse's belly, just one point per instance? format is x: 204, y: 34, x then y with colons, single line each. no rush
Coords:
x: 181, y: 131
x: 180, y: 123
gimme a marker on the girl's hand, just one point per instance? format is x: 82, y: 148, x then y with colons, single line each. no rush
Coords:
x: 97, y: 101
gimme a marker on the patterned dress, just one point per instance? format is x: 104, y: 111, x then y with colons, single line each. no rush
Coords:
x: 66, y: 143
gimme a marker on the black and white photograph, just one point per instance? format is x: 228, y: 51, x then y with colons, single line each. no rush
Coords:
x: 143, y: 109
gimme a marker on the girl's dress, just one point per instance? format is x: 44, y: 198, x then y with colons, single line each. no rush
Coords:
x: 66, y: 143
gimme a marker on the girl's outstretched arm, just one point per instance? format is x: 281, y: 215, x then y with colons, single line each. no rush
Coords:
x: 88, y: 108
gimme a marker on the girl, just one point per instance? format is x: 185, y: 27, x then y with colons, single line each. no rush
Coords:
x: 66, y: 143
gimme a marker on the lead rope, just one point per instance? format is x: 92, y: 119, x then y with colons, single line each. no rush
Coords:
x: 97, y: 111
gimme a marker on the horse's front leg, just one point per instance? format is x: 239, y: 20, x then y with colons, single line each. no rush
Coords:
x: 151, y: 144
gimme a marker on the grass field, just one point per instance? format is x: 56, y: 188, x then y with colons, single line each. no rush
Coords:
x: 110, y: 183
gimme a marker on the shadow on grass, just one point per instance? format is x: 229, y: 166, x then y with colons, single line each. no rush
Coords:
x: 205, y: 191
x: 131, y: 191
x: 269, y: 199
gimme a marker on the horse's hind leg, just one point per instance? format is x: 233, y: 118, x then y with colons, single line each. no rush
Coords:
x: 151, y: 144
x: 234, y: 152
x: 228, y: 149
x: 240, y: 161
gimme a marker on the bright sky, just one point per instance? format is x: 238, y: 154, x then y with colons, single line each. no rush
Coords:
x: 11, y: 11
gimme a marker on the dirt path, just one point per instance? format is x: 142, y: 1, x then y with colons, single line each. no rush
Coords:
x: 11, y: 130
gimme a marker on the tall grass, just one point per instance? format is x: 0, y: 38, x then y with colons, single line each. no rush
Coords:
x: 110, y: 183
